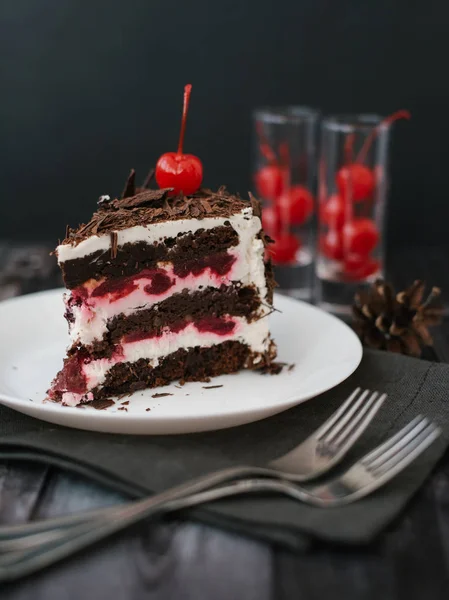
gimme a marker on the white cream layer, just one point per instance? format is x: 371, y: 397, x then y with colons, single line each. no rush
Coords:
x: 243, y: 222
x: 255, y: 335
x: 91, y: 319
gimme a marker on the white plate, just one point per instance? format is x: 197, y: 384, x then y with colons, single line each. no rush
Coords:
x: 33, y: 337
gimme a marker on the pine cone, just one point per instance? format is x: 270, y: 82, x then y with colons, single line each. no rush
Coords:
x: 398, y: 323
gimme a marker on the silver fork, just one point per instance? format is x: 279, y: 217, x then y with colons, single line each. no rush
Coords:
x: 316, y: 455
x: 368, y: 474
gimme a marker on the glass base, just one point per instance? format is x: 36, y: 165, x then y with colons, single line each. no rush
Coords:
x: 336, y: 296
x: 296, y: 280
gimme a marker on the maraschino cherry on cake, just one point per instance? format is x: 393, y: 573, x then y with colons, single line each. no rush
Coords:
x: 164, y: 285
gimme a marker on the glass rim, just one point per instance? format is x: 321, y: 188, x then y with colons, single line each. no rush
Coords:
x: 350, y: 123
x: 290, y: 113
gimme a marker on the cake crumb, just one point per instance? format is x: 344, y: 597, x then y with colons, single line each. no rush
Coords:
x: 125, y: 403
x: 147, y: 409
x: 274, y: 368
x: 161, y: 395
x: 102, y: 404
x: 122, y: 408
x: 291, y: 367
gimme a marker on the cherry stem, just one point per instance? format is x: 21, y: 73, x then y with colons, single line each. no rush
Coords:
x: 265, y: 147
x: 349, y: 158
x: 185, y: 108
x: 284, y: 152
x: 349, y: 148
x: 399, y: 114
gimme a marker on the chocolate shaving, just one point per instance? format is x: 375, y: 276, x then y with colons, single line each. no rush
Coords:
x: 125, y: 403
x: 168, y: 208
x: 114, y: 244
x: 148, y: 179
x: 142, y: 199
x: 273, y: 368
x: 130, y: 185
x: 123, y: 408
x: 161, y: 395
x: 266, y: 240
x: 147, y: 409
x: 97, y: 225
x: 211, y: 387
x: 102, y: 404
x: 255, y: 205
x: 207, y: 207
x: 154, y: 206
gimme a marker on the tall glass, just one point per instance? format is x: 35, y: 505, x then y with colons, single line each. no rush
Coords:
x: 284, y: 179
x: 352, y: 198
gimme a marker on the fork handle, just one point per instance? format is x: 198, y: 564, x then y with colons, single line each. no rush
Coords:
x: 27, y: 533
x: 20, y: 563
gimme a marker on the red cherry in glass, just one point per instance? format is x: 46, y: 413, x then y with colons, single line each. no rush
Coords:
x: 269, y: 181
x: 333, y: 212
x: 360, y: 236
x: 285, y: 248
x: 331, y: 245
x: 359, y: 267
x: 356, y: 181
x: 270, y: 220
x: 295, y: 205
x: 183, y: 172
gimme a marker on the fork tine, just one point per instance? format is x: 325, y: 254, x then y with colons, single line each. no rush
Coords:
x: 336, y: 415
x: 345, y: 419
x: 419, y: 440
x: 401, y: 443
x: 391, y: 441
x: 361, y: 421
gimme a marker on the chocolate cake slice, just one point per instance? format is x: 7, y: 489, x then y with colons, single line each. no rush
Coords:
x: 163, y: 288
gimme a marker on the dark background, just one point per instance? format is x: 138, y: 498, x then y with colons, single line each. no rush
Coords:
x: 89, y: 89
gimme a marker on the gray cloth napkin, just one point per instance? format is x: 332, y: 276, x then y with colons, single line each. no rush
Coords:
x: 140, y: 465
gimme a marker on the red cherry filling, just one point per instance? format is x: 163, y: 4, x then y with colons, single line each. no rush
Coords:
x: 71, y: 378
x: 218, y: 325
x: 215, y: 325
x: 119, y: 288
x: 160, y: 283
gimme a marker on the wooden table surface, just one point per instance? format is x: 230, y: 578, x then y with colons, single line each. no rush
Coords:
x: 182, y: 560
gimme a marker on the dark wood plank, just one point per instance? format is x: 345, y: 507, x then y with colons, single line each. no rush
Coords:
x: 414, y: 549
x: 20, y: 490
x: 163, y: 560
